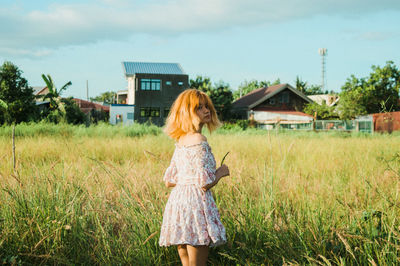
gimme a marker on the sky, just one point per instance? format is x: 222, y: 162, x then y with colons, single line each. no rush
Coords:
x: 227, y: 40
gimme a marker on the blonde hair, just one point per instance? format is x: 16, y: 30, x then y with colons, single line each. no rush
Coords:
x: 183, y: 118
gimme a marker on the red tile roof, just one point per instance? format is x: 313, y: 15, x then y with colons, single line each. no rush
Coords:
x: 87, y: 106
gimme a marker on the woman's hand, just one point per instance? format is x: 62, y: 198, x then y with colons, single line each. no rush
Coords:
x: 222, y: 171
x: 168, y: 184
x: 219, y: 173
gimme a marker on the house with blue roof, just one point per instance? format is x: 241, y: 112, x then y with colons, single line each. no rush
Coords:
x: 152, y: 88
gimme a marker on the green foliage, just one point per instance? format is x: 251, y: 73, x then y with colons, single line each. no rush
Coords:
x: 96, y: 116
x: 3, y: 105
x: 18, y: 101
x: 73, y: 114
x: 84, y: 202
x: 61, y: 110
x: 378, y: 92
x: 105, y: 97
x: 248, y: 86
x: 236, y: 124
x: 222, y: 98
x: 308, y: 89
x: 219, y: 93
x: 201, y: 83
x: 105, y: 130
x: 323, y: 111
x: 54, y: 94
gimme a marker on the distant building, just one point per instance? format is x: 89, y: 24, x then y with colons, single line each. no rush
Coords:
x: 279, y: 104
x: 86, y: 106
x: 328, y: 99
x: 152, y: 88
x: 122, y: 97
x: 122, y: 114
x: 40, y: 90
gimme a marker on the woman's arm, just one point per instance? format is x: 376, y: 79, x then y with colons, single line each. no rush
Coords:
x: 168, y: 184
x: 219, y: 173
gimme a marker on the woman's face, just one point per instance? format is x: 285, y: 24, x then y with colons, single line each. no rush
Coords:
x: 203, y: 113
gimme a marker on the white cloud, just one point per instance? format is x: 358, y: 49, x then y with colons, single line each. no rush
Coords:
x: 75, y: 24
x: 376, y: 36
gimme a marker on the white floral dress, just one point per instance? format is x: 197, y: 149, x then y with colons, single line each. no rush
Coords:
x: 191, y: 216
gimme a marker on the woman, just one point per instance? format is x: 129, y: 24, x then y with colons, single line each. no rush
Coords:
x: 191, y: 219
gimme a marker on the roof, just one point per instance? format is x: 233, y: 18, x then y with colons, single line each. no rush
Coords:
x: 257, y: 96
x: 329, y: 99
x: 87, y: 106
x: 286, y: 112
x: 133, y: 68
x: 37, y: 90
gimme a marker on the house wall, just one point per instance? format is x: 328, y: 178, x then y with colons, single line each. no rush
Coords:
x: 240, y: 113
x: 296, y: 103
x: 263, y: 116
x: 161, y: 99
x: 131, y: 90
x: 122, y: 111
x: 386, y: 122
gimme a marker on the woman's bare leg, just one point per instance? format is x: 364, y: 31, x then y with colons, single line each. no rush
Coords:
x: 197, y: 255
x: 183, y: 254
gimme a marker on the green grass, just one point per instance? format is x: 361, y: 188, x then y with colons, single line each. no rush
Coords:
x: 95, y: 196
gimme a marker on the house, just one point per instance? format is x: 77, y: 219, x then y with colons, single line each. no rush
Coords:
x: 122, y: 114
x: 328, y: 99
x: 122, y: 97
x: 386, y: 122
x: 86, y: 106
x: 276, y: 105
x: 40, y: 90
x: 152, y: 88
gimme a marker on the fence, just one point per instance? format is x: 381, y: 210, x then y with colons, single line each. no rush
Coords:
x: 358, y: 125
x: 345, y: 125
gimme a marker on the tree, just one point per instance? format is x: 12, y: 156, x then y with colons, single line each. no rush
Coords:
x: 249, y: 86
x: 222, y: 98
x: 105, y: 97
x: 62, y: 110
x: 373, y: 94
x: 201, y: 83
x: 54, y: 95
x: 301, y: 85
x: 73, y: 114
x: 219, y: 93
x: 16, y: 94
x: 308, y: 89
x: 323, y: 110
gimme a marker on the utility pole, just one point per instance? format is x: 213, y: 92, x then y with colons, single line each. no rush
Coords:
x: 87, y: 90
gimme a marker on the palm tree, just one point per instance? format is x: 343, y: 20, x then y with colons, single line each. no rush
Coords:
x: 301, y: 85
x: 54, y: 95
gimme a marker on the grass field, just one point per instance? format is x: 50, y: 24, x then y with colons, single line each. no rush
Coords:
x: 95, y: 196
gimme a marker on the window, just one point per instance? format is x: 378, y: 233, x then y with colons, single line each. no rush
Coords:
x: 284, y: 97
x: 166, y: 112
x: 150, y: 84
x: 129, y: 116
x: 180, y: 83
x: 169, y: 83
x: 150, y: 112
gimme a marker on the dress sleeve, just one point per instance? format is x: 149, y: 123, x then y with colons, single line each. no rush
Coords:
x: 207, y: 169
x: 170, y: 174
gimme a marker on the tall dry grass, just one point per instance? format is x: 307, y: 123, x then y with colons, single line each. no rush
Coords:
x: 291, y: 199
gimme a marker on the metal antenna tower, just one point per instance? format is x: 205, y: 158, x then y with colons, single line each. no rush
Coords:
x: 323, y: 53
